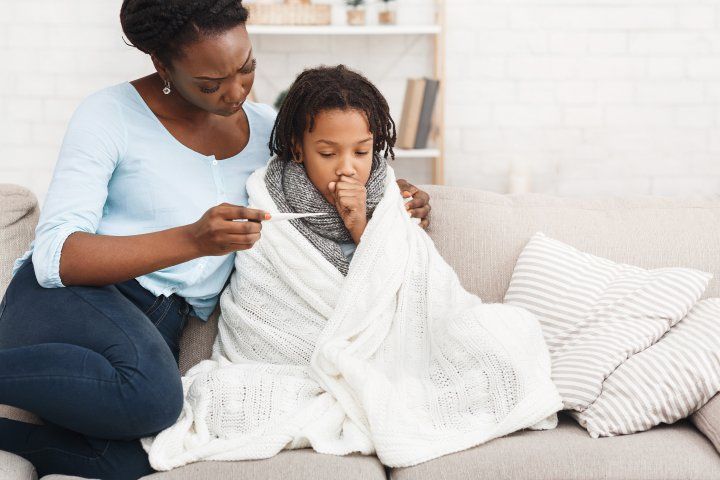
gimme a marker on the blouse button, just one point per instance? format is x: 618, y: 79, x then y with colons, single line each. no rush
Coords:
x: 214, y: 162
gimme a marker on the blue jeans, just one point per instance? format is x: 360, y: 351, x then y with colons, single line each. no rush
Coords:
x: 98, y: 365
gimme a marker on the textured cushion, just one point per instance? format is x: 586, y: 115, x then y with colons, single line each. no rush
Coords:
x: 287, y: 465
x: 596, y: 313
x: 665, y: 382
x: 13, y: 467
x: 197, y: 340
x: 676, y: 451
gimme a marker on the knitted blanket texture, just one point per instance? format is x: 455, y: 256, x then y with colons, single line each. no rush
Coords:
x: 395, y: 359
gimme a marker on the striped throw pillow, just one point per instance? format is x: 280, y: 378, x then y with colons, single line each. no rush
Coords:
x: 664, y: 383
x: 595, y: 313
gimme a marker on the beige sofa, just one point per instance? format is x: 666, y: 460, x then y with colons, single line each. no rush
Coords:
x: 481, y: 235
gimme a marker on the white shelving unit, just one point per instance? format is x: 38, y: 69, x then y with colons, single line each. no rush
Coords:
x: 344, y: 30
x: 419, y: 153
x: 437, y: 30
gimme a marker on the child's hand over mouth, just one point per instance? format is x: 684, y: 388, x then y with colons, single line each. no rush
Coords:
x: 349, y: 198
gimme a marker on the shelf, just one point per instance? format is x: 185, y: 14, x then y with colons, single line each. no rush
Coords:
x: 421, y: 153
x: 435, y: 32
x: 343, y: 30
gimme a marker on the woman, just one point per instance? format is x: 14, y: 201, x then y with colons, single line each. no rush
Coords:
x: 140, y: 163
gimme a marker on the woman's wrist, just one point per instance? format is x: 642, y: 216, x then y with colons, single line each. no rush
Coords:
x: 186, y: 242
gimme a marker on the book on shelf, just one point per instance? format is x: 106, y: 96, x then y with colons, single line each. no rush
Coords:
x: 418, y: 113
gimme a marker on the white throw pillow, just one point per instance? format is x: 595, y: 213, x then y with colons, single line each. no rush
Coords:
x: 664, y: 383
x: 596, y: 313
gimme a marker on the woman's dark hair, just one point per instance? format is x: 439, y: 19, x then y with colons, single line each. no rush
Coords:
x: 329, y: 88
x: 163, y: 27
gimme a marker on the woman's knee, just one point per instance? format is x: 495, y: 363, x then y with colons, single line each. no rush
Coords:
x: 167, y: 407
x: 156, y: 406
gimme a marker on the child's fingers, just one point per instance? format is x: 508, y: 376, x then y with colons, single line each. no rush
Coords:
x: 350, y: 192
x: 351, y: 198
x: 345, y: 178
x: 349, y: 186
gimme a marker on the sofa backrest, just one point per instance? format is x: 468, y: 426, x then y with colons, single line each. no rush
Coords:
x: 481, y: 234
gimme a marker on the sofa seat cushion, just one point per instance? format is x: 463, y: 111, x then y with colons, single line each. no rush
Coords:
x: 568, y: 452
x: 287, y: 465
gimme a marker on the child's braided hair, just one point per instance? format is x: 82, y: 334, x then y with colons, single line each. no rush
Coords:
x: 329, y: 88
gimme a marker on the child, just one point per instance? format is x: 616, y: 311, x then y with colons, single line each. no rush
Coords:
x: 384, y: 353
x: 331, y: 138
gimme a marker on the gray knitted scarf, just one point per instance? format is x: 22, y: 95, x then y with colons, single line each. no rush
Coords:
x: 293, y: 192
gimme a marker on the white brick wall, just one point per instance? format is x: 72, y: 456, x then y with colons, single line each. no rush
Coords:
x: 593, y: 96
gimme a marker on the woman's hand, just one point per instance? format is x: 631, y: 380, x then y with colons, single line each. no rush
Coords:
x: 217, y: 234
x: 349, y: 197
x: 419, y: 206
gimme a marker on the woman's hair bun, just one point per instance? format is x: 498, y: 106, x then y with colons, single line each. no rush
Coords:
x: 163, y: 27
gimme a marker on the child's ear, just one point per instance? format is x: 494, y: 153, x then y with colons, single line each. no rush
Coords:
x: 296, y: 152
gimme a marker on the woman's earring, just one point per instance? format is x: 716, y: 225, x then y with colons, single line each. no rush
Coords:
x: 167, y: 90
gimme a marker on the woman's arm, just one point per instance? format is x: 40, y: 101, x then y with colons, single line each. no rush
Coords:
x: 89, y: 259
x: 67, y: 251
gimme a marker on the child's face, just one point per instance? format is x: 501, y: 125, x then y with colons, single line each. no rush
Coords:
x: 340, y: 145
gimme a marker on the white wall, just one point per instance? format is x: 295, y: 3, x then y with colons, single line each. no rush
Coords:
x: 595, y: 96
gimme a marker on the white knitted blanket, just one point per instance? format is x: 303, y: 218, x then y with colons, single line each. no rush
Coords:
x: 395, y: 359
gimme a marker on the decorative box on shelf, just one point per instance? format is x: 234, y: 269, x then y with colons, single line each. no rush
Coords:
x: 290, y: 12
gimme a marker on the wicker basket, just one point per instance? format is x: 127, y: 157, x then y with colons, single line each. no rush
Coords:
x: 292, y: 12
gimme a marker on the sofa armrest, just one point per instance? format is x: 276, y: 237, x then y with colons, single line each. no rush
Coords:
x: 19, y: 214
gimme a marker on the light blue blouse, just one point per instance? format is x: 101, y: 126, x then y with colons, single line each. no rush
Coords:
x: 121, y: 172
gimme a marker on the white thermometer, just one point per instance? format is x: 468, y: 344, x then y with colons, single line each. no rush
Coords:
x: 279, y: 217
